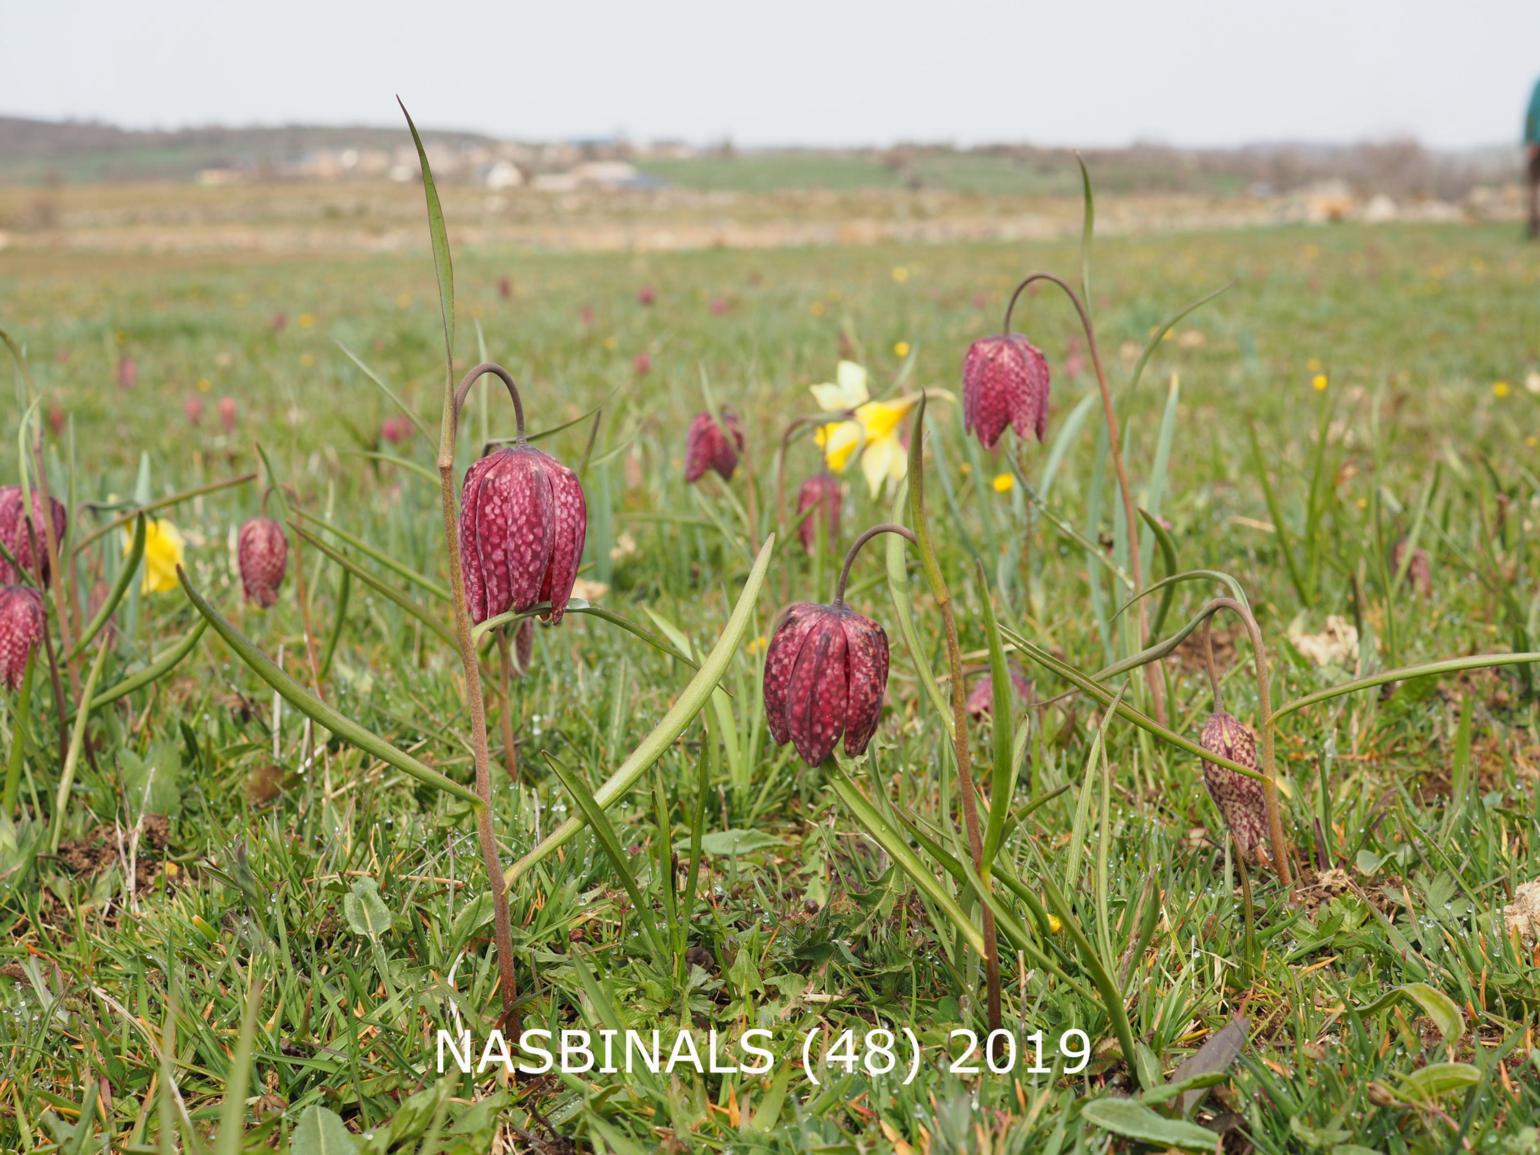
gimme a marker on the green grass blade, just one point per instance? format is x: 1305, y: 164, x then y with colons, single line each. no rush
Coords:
x: 157, y: 666
x: 663, y: 735
x: 438, y: 233
x: 1002, y: 779
x: 232, y: 1112
x: 315, y: 709
x: 119, y: 587
x: 1405, y: 674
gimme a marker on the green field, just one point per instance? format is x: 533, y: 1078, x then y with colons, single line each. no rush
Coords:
x: 1389, y: 379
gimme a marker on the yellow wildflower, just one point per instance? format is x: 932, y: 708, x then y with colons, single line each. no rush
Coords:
x: 1500, y: 389
x: 162, y: 554
x: 901, y: 349
x: 873, y: 433
x: 1004, y: 482
x: 1318, y: 382
x: 756, y: 644
x: 1313, y: 365
x: 900, y: 274
x: 306, y: 320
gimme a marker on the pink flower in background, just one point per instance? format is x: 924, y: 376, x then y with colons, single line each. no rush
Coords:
x: 646, y: 296
x: 128, y: 372
x: 280, y: 322
x: 56, y: 418
x: 396, y: 429
x: 227, y: 413
x: 720, y: 306
x: 193, y: 408
x: 505, y: 286
x: 263, y: 553
x: 641, y: 365
x: 709, y: 445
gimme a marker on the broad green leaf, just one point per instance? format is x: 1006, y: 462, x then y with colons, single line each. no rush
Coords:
x: 731, y: 843
x: 1131, y: 1119
x: 315, y: 709
x: 1434, y: 1003
x: 322, y: 1132
x: 666, y: 732
x: 1436, y: 1080
x: 366, y: 912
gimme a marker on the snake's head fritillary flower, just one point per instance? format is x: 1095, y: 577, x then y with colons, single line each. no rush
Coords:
x: 227, y: 413
x: 1419, y: 571
x: 820, y: 493
x: 1240, y: 799
x: 720, y: 306
x: 712, y: 445
x: 1005, y: 382
x: 523, y: 646
x: 56, y: 418
x: 826, y: 670
x: 505, y: 286
x: 523, y: 520
x: 396, y: 429
x: 981, y: 699
x: 19, y: 533
x: 128, y: 371
x: 646, y: 296
x: 641, y: 365
x: 193, y: 409
x: 21, y: 631
x: 263, y: 553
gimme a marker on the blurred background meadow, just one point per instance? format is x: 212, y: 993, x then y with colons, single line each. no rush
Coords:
x: 179, y: 294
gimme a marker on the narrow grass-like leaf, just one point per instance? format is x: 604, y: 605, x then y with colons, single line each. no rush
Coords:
x: 663, y: 735
x: 599, y: 824
x: 162, y: 662
x: 443, y: 267
x: 898, y: 850
x: 119, y: 587
x: 421, y: 581
x: 1160, y: 334
x: 903, y: 613
x: 159, y: 504
x: 1168, y: 559
x: 1406, y: 674
x: 232, y: 1113
x: 1101, y: 978
x: 375, y: 377
x: 1275, y: 511
x: 76, y: 744
x: 315, y: 709
x: 1002, y: 779
x: 384, y: 589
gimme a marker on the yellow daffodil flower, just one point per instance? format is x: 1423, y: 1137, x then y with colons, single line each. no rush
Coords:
x: 162, y: 554
x: 873, y: 432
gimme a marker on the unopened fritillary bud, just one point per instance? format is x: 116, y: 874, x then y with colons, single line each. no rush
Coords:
x: 1005, y: 382
x: 709, y: 445
x: 523, y: 520
x: 1240, y: 799
x: 263, y: 553
x: 21, y: 631
x: 826, y: 671
x: 820, y: 494
x: 1419, y: 570
x: 25, y: 537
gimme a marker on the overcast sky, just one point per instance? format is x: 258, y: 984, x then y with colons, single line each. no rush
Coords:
x: 1070, y: 72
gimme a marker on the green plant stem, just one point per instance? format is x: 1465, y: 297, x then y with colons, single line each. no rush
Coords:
x: 20, y: 720
x: 474, y: 700
x: 1152, y: 672
x: 505, y: 663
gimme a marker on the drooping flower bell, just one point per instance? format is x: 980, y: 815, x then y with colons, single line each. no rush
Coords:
x: 19, y: 533
x: 1240, y: 799
x: 1005, y: 382
x: 523, y: 520
x: 709, y: 445
x: 826, y: 671
x: 821, y: 494
x: 21, y: 631
x: 263, y: 553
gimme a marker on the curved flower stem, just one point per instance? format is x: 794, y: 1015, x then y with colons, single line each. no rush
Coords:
x: 855, y: 548
x: 469, y: 659
x: 792, y: 431
x: 1114, y: 443
x: 1265, y: 725
x: 1209, y: 666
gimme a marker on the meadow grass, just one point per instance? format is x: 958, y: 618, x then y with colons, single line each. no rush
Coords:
x: 338, y: 905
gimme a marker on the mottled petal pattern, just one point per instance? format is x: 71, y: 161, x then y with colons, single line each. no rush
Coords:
x: 18, y: 531
x: 1005, y: 382
x: 507, y: 531
x: 21, y: 631
x: 263, y: 553
x: 571, y: 519
x: 867, y: 671
x: 1240, y: 799
x: 815, y: 698
x: 780, y: 659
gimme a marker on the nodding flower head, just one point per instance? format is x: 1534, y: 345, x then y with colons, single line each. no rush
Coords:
x: 128, y: 371
x: 227, y: 413
x: 1005, y: 382
x: 263, y: 553
x: 821, y: 494
x: 826, y: 670
x: 523, y: 520
x: 19, y: 534
x: 1240, y: 799
x: 192, y: 409
x: 1419, y: 571
x: 712, y: 445
x: 21, y: 631
x: 981, y: 699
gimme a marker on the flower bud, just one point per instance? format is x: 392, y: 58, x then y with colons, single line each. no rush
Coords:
x: 1240, y: 799
x: 21, y: 631
x: 981, y: 699
x: 523, y: 520
x: 826, y: 670
x: 263, y: 553
x: 17, y: 533
x: 1419, y: 571
x: 709, y: 446
x: 823, y: 492
x: 1005, y: 382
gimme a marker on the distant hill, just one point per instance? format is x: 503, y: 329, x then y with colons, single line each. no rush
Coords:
x: 37, y: 151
